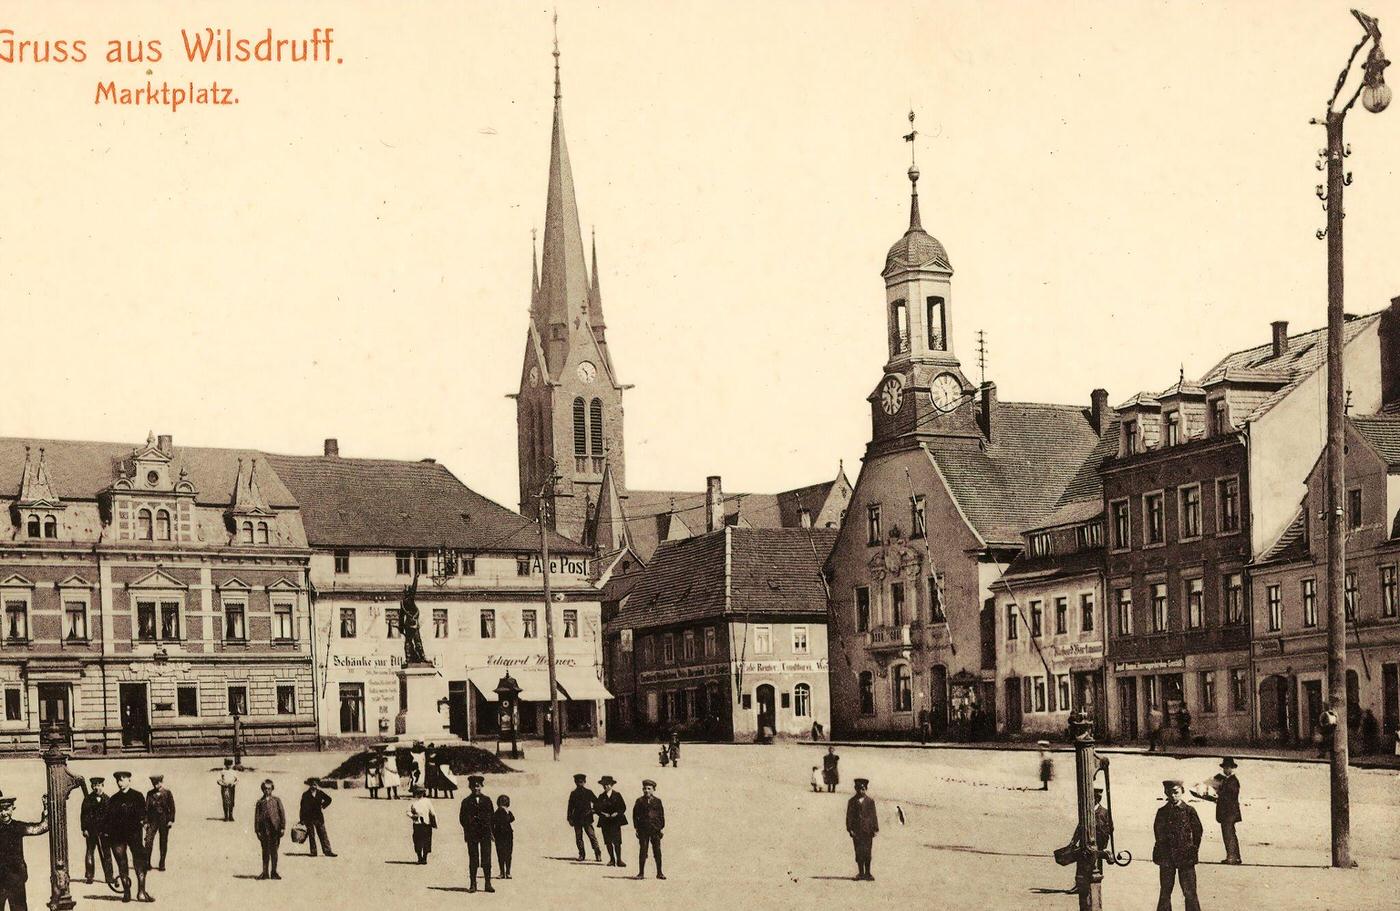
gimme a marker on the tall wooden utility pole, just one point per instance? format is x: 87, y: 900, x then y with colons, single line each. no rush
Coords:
x: 544, y: 516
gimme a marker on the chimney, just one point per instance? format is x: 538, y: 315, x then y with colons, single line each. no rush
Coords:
x: 1098, y: 409
x: 986, y: 410
x: 166, y: 443
x: 714, y: 504
x: 332, y: 448
x: 1280, y: 336
x: 1390, y: 354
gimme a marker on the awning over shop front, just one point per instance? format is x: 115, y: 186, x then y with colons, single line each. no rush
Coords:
x: 533, y: 682
x: 581, y: 684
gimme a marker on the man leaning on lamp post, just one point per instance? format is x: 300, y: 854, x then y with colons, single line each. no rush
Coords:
x: 13, y: 872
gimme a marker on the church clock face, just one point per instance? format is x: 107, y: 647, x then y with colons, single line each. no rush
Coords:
x: 891, y: 394
x: 945, y: 391
x: 587, y: 372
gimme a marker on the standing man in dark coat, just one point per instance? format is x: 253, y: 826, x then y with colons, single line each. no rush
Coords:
x: 269, y: 822
x: 580, y: 816
x: 831, y: 774
x: 476, y: 816
x: 13, y: 872
x: 126, y: 815
x: 1178, y: 840
x: 92, y: 818
x: 1088, y: 858
x: 160, y: 816
x: 612, y: 816
x: 649, y: 818
x: 313, y: 815
x: 862, y: 824
x: 1227, y: 809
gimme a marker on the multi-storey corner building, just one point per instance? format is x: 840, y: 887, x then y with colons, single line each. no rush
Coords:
x: 1050, y: 617
x: 150, y: 595
x: 1290, y: 599
x: 949, y: 480
x: 375, y: 524
x: 724, y: 636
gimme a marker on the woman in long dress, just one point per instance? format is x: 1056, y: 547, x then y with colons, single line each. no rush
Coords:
x: 424, y: 821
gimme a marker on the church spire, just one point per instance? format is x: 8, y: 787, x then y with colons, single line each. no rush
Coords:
x: 564, y: 289
x: 534, y: 272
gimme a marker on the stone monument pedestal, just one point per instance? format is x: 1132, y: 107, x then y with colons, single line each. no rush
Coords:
x: 421, y: 717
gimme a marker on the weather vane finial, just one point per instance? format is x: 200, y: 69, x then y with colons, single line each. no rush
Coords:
x: 556, y: 55
x: 909, y: 138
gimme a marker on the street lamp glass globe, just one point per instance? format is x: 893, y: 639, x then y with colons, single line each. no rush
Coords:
x: 1376, y: 98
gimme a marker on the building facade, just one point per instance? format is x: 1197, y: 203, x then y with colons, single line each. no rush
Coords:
x: 1290, y: 600
x: 724, y: 637
x: 152, y: 595
x: 374, y: 525
x: 949, y: 480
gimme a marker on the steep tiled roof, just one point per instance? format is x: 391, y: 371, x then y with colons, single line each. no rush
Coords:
x: 1012, y: 482
x: 81, y: 469
x: 1306, y: 353
x: 811, y: 498
x: 734, y: 571
x: 1383, y: 432
x: 1290, y: 545
x: 384, y: 503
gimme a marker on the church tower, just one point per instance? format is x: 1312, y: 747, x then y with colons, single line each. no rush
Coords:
x: 569, y: 407
x: 923, y: 388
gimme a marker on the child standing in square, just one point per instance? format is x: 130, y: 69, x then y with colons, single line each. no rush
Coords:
x: 503, y: 833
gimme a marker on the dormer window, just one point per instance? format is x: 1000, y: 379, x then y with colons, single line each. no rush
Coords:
x: 247, y: 532
x: 1130, y: 437
x: 32, y: 528
x: 1172, y: 421
x: 1219, y: 418
x: 143, y: 525
x: 1040, y: 545
x: 50, y: 527
x: 262, y: 533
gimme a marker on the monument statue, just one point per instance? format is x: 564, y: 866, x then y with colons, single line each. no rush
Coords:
x: 412, y: 626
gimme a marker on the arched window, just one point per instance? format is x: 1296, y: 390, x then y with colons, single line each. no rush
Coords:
x: 33, y: 527
x: 595, y: 426
x: 247, y: 532
x: 580, y: 429
x: 51, y: 527
x: 162, y: 526
x: 937, y: 325
x: 802, y: 700
x: 143, y: 525
x: 867, y: 693
x: 899, y: 328
x: 900, y: 691
x: 262, y: 532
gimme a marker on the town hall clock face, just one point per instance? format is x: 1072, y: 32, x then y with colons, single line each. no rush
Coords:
x: 587, y: 372
x: 891, y: 394
x: 945, y: 391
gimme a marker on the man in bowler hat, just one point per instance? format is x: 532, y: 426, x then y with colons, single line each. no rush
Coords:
x: 862, y: 824
x: 126, y: 815
x: 475, y: 816
x: 93, y: 820
x: 1178, y: 840
x: 160, y: 816
x: 1227, y: 809
x: 13, y: 872
x: 612, y: 816
x: 580, y: 816
x: 648, y: 819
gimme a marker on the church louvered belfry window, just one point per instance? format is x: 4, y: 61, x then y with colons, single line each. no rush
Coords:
x: 580, y: 429
x: 595, y: 432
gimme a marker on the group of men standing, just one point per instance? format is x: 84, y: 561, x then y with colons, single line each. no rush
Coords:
x: 122, y: 831
x: 648, y: 821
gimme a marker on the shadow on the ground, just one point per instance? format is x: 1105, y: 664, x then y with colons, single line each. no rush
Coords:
x: 449, y: 889
x: 840, y: 879
x: 969, y: 849
x: 411, y: 863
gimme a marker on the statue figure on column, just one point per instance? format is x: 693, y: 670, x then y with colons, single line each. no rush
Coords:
x: 412, y: 626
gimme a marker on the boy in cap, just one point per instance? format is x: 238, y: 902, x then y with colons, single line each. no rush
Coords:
x: 580, y: 816
x: 227, y: 780
x: 612, y: 816
x: 92, y: 818
x: 269, y: 822
x: 1178, y: 840
x: 1227, y: 809
x: 126, y: 815
x: 862, y: 824
x: 476, y: 816
x: 13, y: 872
x: 160, y: 816
x: 649, y: 818
x: 313, y: 815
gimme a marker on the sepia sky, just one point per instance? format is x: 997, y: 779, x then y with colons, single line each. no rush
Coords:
x: 1123, y: 189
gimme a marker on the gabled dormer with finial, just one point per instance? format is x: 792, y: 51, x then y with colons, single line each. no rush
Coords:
x: 38, y: 512
x: 150, y: 498
x: 249, y: 518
